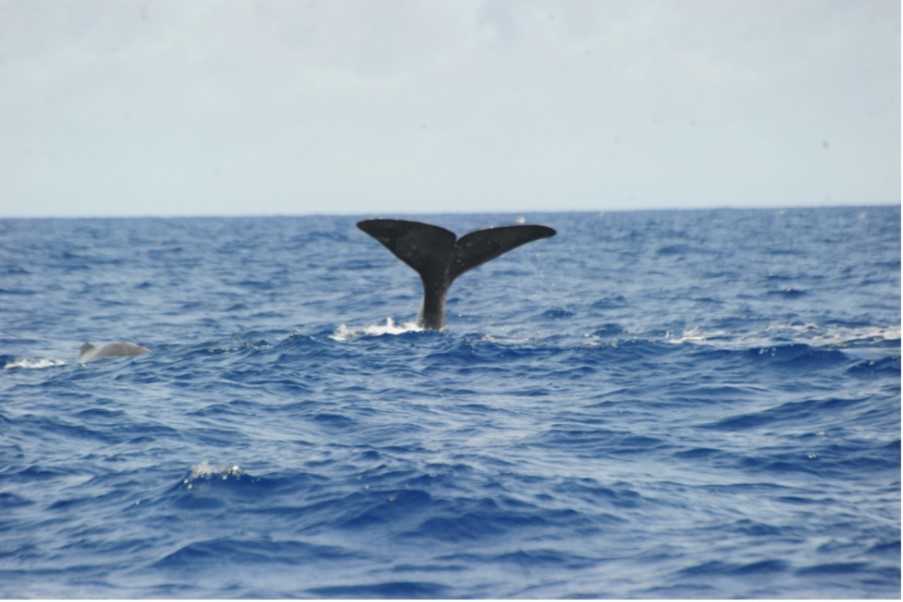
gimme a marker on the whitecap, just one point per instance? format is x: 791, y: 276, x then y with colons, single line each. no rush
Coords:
x: 33, y: 363
x: 344, y: 333
x: 776, y: 334
x: 207, y: 471
x: 506, y: 340
x: 836, y: 336
x: 843, y: 335
x: 694, y: 335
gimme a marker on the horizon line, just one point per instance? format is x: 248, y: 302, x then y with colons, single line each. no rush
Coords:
x: 617, y: 209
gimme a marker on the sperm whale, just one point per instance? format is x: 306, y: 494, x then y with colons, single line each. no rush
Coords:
x: 439, y: 256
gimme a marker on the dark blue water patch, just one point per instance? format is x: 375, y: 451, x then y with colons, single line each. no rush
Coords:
x: 610, y: 302
x: 234, y: 407
x: 617, y: 495
x: 527, y: 559
x: 890, y: 549
x: 848, y: 323
x: 381, y: 507
x: 807, y: 412
x: 11, y: 500
x: 33, y: 473
x: 214, y: 436
x: 17, y: 292
x: 610, y: 329
x: 238, y: 552
x: 861, y: 456
x: 623, y: 351
x: 337, y: 421
x: 776, y: 252
x: 599, y: 442
x: 558, y: 313
x: 76, y: 504
x: 486, y: 520
x: 789, y: 293
x: 827, y: 460
x: 459, y: 528
x: 96, y: 415
x: 697, y: 453
x: 798, y: 356
x: 259, y: 285
x: 866, y: 368
x: 388, y: 589
x: 57, y: 429
x: 681, y: 590
x: 834, y: 568
x: 470, y: 352
x: 717, y: 568
x: 780, y: 277
x: 674, y: 250
x: 720, y: 274
x: 757, y: 529
x: 13, y: 270
x: 893, y: 264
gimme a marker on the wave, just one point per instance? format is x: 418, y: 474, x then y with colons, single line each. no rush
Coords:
x: 775, y: 334
x: 596, y: 427
x: 210, y: 552
x: 388, y: 589
x: 25, y: 363
x: 803, y: 412
x: 205, y: 470
x: 885, y: 365
x: 788, y: 292
x: 797, y: 355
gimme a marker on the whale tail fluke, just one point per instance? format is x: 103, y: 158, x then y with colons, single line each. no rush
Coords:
x: 439, y: 256
x: 424, y: 247
x: 480, y: 246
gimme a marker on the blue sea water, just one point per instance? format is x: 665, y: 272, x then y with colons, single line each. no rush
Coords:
x: 650, y: 404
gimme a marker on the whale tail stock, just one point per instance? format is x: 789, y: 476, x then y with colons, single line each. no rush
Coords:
x: 439, y: 256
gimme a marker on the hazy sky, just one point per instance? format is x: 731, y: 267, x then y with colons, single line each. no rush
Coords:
x: 230, y: 107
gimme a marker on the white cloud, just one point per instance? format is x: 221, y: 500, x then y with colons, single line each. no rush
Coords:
x: 266, y: 107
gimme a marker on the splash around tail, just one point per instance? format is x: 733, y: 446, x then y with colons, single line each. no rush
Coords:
x: 343, y: 333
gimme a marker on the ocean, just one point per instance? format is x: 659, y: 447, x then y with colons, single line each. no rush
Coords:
x: 650, y: 404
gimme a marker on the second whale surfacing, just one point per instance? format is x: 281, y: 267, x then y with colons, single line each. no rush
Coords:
x: 439, y: 256
x: 89, y: 352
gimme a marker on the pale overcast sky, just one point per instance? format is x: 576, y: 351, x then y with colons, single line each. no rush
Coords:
x: 212, y: 107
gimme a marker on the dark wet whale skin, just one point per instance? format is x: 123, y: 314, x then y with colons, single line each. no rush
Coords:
x: 439, y: 256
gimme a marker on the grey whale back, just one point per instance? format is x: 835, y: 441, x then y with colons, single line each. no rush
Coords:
x: 439, y: 256
x: 89, y: 352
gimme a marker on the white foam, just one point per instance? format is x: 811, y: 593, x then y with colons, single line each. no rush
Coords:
x: 343, y: 333
x: 836, y: 336
x: 695, y: 334
x: 691, y: 335
x: 506, y: 340
x: 34, y: 364
x: 840, y: 336
x: 809, y: 334
x: 205, y: 470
